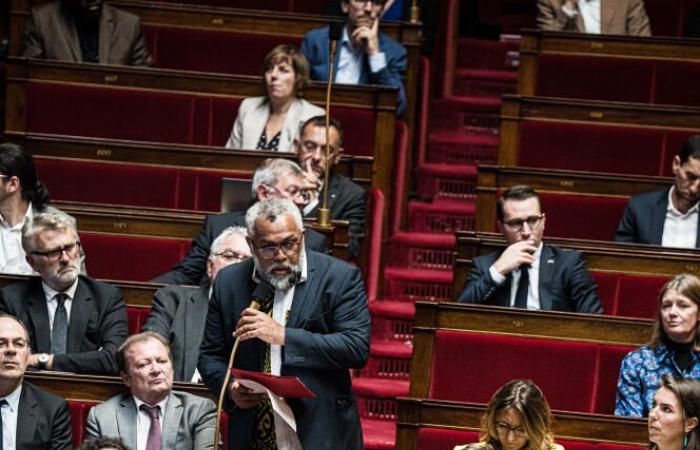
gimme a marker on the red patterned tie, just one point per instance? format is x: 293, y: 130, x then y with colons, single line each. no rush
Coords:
x: 153, y: 441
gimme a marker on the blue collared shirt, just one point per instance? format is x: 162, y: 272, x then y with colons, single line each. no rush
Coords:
x: 351, y: 59
x: 640, y: 378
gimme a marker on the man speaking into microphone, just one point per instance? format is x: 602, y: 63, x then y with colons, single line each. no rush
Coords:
x: 317, y: 329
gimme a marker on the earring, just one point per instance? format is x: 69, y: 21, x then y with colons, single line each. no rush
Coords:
x: 685, y: 441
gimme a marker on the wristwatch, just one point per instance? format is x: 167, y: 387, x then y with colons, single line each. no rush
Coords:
x: 43, y: 360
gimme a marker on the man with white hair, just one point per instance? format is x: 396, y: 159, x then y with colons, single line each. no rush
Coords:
x: 179, y: 312
x: 318, y: 329
x: 75, y: 323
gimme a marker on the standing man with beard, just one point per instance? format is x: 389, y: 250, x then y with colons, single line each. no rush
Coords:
x: 85, y: 31
x: 669, y: 217
x: 75, y: 323
x: 318, y: 328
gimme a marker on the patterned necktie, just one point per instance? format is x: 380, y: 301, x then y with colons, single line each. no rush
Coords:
x: 264, y: 437
x: 3, y: 403
x: 153, y: 441
x: 523, y: 284
x: 59, y: 332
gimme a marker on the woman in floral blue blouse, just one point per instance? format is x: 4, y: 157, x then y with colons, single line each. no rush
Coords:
x: 674, y: 348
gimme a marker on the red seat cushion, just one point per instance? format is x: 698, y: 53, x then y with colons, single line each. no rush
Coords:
x: 78, y: 416
x: 607, y: 284
x: 673, y: 82
x: 639, y: 295
x: 608, y: 373
x: 137, y: 318
x: 437, y: 438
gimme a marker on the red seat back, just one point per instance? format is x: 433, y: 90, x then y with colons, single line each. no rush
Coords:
x: 639, y: 295
x: 438, y: 438
x: 78, y: 418
x: 582, y: 216
x: 137, y: 318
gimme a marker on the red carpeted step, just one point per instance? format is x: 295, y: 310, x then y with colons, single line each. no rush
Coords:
x: 451, y: 181
x: 421, y: 250
x: 392, y: 320
x: 390, y: 349
x: 486, y: 54
x: 472, y: 114
x: 389, y: 359
x: 441, y: 216
x: 378, y: 434
x: 380, y: 388
x: 418, y: 284
x: 388, y: 308
x: 484, y: 83
x: 462, y: 148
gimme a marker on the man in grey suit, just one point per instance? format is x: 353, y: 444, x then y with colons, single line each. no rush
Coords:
x: 151, y: 415
x: 85, y: 31
x: 179, y: 312
x: 528, y: 273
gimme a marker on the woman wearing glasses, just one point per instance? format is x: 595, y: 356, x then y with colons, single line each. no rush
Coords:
x: 673, y: 418
x: 674, y: 348
x: 517, y: 418
x: 272, y: 122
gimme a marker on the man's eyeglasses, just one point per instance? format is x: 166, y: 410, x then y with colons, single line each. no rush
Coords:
x: 504, y: 429
x: 230, y: 256
x: 374, y: 2
x: 292, y: 192
x: 54, y: 255
x: 289, y: 247
x: 518, y: 224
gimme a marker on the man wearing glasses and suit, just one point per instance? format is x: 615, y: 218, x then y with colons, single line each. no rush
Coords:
x: 528, y: 273
x: 75, y: 323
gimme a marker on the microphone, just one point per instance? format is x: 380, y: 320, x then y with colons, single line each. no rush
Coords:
x: 261, y: 299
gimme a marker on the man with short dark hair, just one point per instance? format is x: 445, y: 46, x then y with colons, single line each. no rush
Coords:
x: 669, y: 217
x: 31, y: 417
x: 317, y: 329
x: 346, y: 200
x: 151, y: 415
x: 75, y: 323
x: 364, y: 54
x: 527, y: 273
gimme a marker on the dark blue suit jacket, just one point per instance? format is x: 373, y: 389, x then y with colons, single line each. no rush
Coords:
x: 644, y: 217
x: 315, y: 47
x: 564, y: 283
x: 328, y: 333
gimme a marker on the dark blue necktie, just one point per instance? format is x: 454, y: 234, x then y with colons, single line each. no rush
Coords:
x: 523, y: 284
x: 59, y: 332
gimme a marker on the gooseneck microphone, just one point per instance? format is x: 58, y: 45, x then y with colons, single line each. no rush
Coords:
x: 335, y: 31
x: 261, y: 299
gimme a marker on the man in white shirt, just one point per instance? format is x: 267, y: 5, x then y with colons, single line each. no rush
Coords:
x: 528, y: 273
x: 669, y: 217
x: 43, y: 418
x: 151, y: 416
x: 625, y: 17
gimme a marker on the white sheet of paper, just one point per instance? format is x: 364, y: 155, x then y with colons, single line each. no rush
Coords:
x: 279, y: 406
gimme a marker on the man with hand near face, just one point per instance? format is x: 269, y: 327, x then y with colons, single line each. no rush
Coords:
x: 151, y: 415
x: 623, y: 17
x: 346, y: 200
x: 75, y: 323
x: 318, y: 329
x: 364, y: 55
x: 528, y: 273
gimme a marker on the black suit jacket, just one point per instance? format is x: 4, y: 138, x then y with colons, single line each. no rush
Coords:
x: 327, y: 333
x: 192, y: 269
x: 178, y: 313
x: 347, y: 201
x: 97, y: 325
x: 564, y: 283
x: 43, y: 421
x: 644, y: 218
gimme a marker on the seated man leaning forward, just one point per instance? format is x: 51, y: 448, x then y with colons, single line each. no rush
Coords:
x: 528, y: 273
x: 75, y: 323
x: 668, y: 217
x: 31, y: 418
x: 179, y: 312
x: 151, y: 415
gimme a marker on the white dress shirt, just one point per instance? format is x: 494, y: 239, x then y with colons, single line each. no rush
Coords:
x: 350, y: 61
x: 143, y: 422
x: 9, y: 419
x: 52, y: 303
x: 533, y: 291
x: 12, y: 256
x: 590, y: 13
x: 680, y: 230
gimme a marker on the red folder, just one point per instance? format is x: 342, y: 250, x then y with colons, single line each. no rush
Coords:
x: 282, y: 386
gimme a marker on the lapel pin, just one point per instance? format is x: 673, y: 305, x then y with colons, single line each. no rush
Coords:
x: 550, y: 261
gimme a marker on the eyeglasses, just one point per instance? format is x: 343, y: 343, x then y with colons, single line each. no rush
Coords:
x: 504, y: 429
x: 230, y: 256
x: 518, y: 224
x: 289, y: 248
x: 291, y: 192
x: 55, y: 254
x: 374, y: 2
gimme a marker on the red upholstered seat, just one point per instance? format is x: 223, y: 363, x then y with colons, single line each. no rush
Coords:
x: 575, y: 445
x: 607, y: 284
x: 78, y: 416
x: 471, y: 366
x: 438, y: 439
x: 639, y: 295
x: 673, y: 83
x: 611, y: 446
x: 123, y: 257
x: 582, y: 216
x: 270, y: 5
x: 358, y: 126
x: 137, y: 318
x: 610, y: 357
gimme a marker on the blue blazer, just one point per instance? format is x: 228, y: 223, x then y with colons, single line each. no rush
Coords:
x: 564, y: 283
x: 315, y: 47
x: 328, y: 332
x: 644, y: 218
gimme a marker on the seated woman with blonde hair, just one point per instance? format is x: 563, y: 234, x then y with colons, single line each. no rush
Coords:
x: 517, y: 418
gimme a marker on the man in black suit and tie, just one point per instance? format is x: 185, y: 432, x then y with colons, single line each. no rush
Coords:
x: 273, y: 178
x: 179, y: 312
x: 318, y: 328
x: 528, y: 273
x: 31, y: 418
x: 75, y: 323
x: 669, y: 217
x: 346, y: 200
